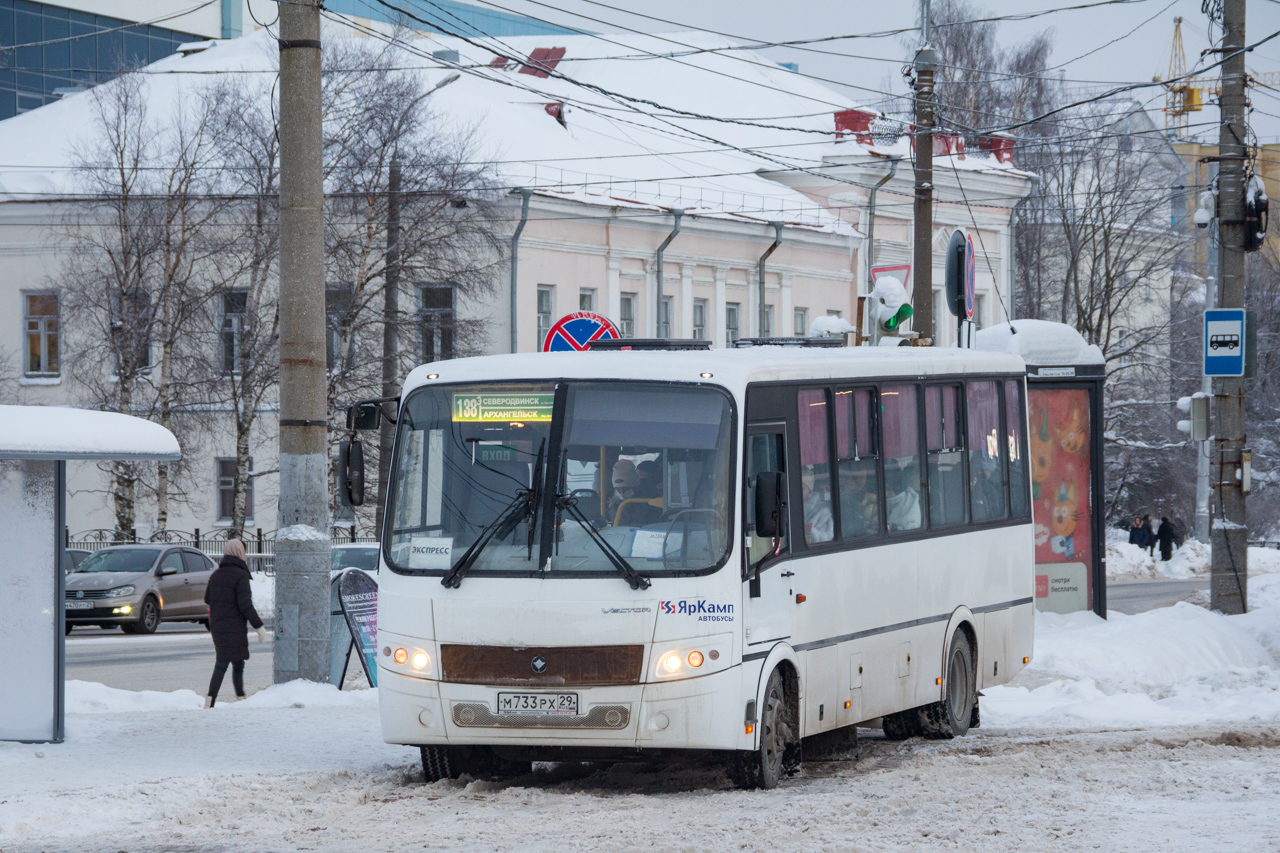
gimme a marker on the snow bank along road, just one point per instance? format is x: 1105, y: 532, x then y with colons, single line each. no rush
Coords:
x: 1159, y: 731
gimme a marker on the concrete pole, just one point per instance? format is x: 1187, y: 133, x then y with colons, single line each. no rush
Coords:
x: 302, y: 544
x: 1229, y: 536
x: 390, y: 336
x: 525, y: 194
x: 922, y: 255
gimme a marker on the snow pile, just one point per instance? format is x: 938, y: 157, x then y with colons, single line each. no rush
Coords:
x: 56, y: 432
x: 1125, y: 561
x: 1180, y: 665
x: 1039, y: 342
x: 308, y: 694
x: 830, y: 325
x: 1264, y: 561
x: 90, y: 697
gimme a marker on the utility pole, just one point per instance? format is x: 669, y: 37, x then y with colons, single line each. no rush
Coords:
x: 302, y: 543
x: 922, y: 256
x: 1229, y: 536
x: 390, y: 338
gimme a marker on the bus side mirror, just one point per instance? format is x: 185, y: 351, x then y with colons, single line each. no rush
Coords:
x: 363, y: 416
x: 351, y: 470
x: 769, y: 485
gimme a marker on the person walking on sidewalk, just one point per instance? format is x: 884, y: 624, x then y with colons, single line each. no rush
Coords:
x: 230, y: 608
x: 1137, y: 536
x: 1165, y: 537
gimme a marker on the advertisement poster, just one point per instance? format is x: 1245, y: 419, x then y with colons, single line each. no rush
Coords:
x: 358, y: 594
x: 1060, y: 495
x: 340, y: 642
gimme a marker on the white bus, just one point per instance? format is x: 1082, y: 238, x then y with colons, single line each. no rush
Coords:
x: 595, y: 554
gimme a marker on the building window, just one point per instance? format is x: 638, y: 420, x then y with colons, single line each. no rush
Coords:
x: 831, y: 312
x: 979, y: 311
x: 699, y: 319
x: 664, y: 329
x: 40, y: 316
x: 436, y: 320
x: 337, y: 317
x: 546, y: 306
x: 800, y: 322
x: 234, y: 305
x: 767, y: 331
x: 627, y: 315
x: 227, y: 490
x: 79, y: 49
x: 587, y: 299
x: 939, y: 310
x: 731, y: 328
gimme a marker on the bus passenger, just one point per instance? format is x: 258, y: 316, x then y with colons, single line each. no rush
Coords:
x: 819, y: 524
x: 650, y: 479
x: 902, y: 503
x: 625, y: 482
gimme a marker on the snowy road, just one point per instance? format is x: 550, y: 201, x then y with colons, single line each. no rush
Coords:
x: 169, y: 661
x: 214, y: 781
x: 1140, y: 596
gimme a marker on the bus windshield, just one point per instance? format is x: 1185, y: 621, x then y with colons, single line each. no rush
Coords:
x: 574, y: 478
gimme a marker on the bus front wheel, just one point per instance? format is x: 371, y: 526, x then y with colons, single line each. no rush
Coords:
x: 439, y: 762
x: 952, y: 716
x: 764, y: 766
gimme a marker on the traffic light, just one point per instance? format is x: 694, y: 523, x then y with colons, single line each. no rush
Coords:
x: 1198, y: 426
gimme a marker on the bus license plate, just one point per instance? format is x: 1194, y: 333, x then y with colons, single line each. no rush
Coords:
x: 79, y: 605
x: 551, y: 704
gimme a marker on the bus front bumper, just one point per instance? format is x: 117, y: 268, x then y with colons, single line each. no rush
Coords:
x: 691, y: 713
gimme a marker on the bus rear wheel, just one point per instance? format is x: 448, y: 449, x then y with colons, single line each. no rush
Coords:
x: 952, y: 716
x: 764, y: 766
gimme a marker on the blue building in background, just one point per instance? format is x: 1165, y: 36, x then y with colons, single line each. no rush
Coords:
x: 47, y: 49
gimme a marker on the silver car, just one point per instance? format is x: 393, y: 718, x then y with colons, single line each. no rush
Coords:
x: 137, y: 587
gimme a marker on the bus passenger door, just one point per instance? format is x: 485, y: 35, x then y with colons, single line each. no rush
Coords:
x: 768, y: 578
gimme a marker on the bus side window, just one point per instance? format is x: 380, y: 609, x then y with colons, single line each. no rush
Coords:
x: 1015, y: 416
x: 900, y: 438
x: 765, y: 452
x: 858, y: 463
x: 986, y: 472
x: 815, y: 466
x: 946, y: 455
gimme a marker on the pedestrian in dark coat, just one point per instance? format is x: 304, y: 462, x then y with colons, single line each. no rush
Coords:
x: 230, y: 608
x: 1137, y: 536
x: 1165, y: 537
x: 1150, y: 534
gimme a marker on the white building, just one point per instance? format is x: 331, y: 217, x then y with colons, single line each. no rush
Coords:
x: 609, y: 135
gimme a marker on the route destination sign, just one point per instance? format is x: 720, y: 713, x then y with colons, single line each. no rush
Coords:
x: 501, y: 408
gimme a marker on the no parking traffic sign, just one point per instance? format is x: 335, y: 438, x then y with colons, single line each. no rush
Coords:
x: 1224, y: 341
x: 572, y: 332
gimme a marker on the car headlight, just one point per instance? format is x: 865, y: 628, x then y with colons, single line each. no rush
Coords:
x: 119, y: 591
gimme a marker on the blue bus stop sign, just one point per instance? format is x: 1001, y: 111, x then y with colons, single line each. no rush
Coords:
x: 1224, y: 341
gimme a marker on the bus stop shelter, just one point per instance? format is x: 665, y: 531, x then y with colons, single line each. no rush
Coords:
x: 36, y: 442
x: 1065, y: 378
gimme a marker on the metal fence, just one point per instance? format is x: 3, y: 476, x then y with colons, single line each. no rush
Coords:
x: 260, y: 548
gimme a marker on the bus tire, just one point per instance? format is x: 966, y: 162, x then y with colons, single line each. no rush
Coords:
x: 952, y: 716
x: 438, y: 763
x: 764, y: 766
x: 902, y: 724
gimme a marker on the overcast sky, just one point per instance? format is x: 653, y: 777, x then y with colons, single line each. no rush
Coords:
x: 1142, y: 31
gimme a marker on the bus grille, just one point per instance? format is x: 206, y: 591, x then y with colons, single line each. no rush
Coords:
x: 541, y: 667
x: 477, y: 714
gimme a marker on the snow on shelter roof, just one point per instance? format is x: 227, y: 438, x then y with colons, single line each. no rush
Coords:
x: 1039, y: 342
x: 623, y: 119
x: 54, y: 432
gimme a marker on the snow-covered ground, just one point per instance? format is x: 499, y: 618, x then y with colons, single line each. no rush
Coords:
x: 1154, y: 731
x: 1129, y: 562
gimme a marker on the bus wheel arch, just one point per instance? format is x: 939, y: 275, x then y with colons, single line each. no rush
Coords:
x: 962, y: 620
x: 777, y: 727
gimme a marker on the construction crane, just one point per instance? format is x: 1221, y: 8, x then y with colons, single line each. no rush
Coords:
x: 1189, y: 96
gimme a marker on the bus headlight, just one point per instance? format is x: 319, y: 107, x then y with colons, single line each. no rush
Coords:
x: 672, y: 662
x: 400, y: 656
x: 419, y: 660
x: 690, y: 658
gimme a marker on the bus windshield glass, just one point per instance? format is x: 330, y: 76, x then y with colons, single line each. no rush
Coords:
x: 631, y: 471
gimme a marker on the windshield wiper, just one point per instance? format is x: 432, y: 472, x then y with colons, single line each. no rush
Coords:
x: 569, y: 504
x: 524, y: 505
